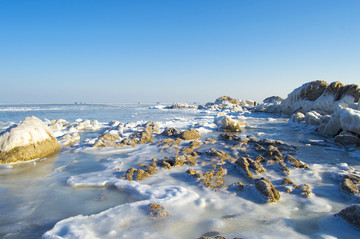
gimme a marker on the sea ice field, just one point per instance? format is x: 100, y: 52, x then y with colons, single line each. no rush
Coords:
x: 90, y: 192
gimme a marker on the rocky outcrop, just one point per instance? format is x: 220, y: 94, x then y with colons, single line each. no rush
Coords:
x: 351, y: 215
x: 29, y: 140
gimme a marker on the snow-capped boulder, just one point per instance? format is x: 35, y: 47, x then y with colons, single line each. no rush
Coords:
x: 29, y: 140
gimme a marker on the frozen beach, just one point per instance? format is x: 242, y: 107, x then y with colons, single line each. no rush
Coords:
x: 190, y: 190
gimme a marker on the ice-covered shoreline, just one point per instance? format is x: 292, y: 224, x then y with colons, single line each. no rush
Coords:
x: 223, y: 171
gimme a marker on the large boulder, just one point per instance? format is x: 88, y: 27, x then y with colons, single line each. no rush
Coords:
x: 29, y: 140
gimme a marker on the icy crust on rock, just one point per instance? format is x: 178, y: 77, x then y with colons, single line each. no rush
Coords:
x: 31, y: 131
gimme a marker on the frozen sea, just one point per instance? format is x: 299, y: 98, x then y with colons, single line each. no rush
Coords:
x: 79, y: 192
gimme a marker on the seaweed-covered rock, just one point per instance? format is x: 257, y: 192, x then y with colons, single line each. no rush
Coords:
x: 351, y: 214
x: 29, y: 140
x: 266, y: 188
x: 190, y: 134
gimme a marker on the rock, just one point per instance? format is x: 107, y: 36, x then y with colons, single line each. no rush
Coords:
x: 301, y: 99
x: 332, y: 127
x: 190, y: 134
x: 153, y: 127
x: 313, y: 118
x: 351, y: 215
x: 297, y: 117
x: 144, y: 136
x: 266, y: 188
x: 347, y: 138
x: 107, y: 140
x: 69, y: 139
x: 225, y: 122
x: 171, y: 132
x: 156, y: 210
x: 29, y: 140
x: 226, y: 99
x: 273, y: 99
x: 295, y: 162
x: 243, y: 163
x: 181, y: 106
x: 348, y: 186
x: 349, y: 120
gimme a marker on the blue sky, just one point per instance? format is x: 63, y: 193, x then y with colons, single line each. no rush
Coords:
x: 62, y: 51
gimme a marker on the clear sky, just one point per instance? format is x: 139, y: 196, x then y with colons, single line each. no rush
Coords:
x: 113, y: 51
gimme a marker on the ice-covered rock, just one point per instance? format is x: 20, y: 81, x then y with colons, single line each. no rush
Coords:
x: 297, y: 117
x: 302, y: 98
x: 350, y: 120
x: 29, y: 140
x: 227, y: 123
x: 321, y: 97
x: 313, y: 118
